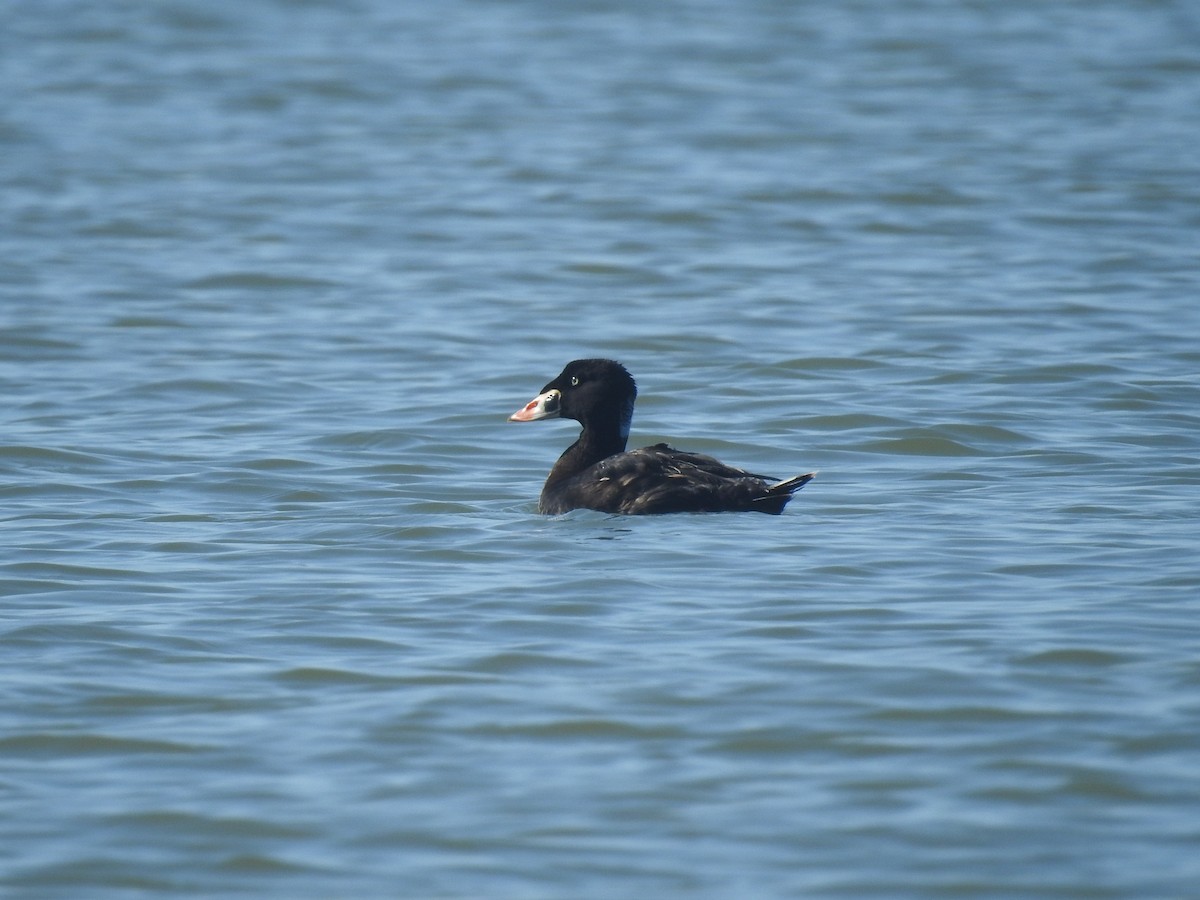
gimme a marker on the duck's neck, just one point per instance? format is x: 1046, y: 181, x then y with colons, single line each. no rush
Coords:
x: 601, y: 438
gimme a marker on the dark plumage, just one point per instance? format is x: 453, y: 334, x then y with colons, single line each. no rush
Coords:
x: 597, y: 473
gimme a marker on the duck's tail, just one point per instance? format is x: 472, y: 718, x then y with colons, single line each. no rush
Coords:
x: 779, y: 493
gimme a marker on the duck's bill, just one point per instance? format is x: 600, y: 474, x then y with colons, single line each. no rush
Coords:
x: 543, y: 406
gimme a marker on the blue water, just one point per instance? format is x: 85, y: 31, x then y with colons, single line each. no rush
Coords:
x: 279, y: 616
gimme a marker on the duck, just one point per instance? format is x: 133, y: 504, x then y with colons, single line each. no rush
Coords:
x: 597, y: 472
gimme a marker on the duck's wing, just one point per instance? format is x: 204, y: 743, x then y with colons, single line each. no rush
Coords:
x: 661, y: 479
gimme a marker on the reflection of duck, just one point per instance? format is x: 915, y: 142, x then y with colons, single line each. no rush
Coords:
x: 596, y: 472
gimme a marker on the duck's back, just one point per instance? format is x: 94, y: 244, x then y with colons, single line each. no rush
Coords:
x: 660, y: 479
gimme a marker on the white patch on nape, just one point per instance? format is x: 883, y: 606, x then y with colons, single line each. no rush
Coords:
x: 626, y: 419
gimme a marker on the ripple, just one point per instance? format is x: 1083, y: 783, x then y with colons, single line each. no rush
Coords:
x: 36, y: 343
x: 577, y: 729
x: 257, y: 281
x: 319, y: 675
x: 524, y: 661
x: 39, y: 746
x: 26, y: 455
x: 197, y: 824
x: 920, y: 443
x: 1076, y: 657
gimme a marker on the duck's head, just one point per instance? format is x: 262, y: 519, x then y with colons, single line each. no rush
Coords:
x: 588, y: 391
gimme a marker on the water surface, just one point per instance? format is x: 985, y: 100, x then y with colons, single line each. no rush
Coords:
x: 279, y: 617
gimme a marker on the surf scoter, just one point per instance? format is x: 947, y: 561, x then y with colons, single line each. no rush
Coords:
x: 596, y: 472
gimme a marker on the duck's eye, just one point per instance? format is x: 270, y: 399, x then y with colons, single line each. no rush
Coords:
x: 574, y: 381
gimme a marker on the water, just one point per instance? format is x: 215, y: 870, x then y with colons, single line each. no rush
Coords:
x: 279, y: 616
